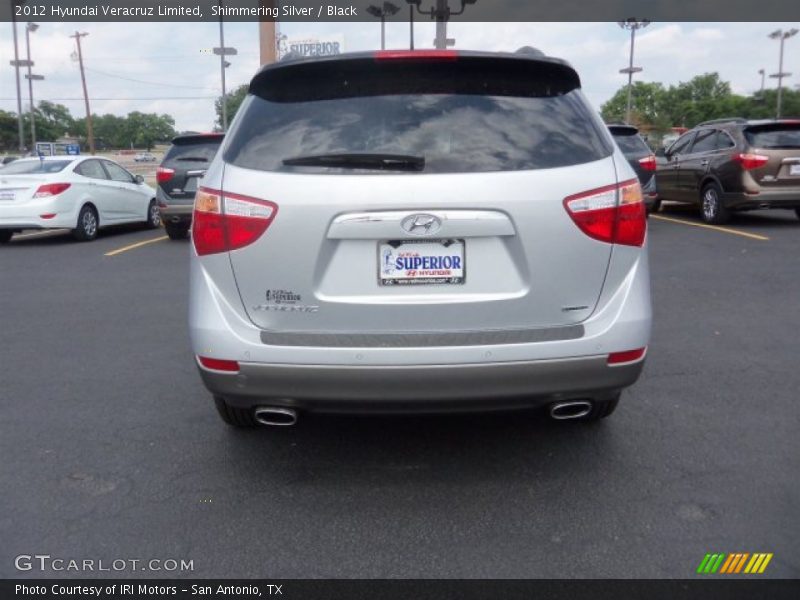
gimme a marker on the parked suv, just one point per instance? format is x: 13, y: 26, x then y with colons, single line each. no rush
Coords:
x: 183, y: 166
x: 734, y: 164
x: 418, y: 231
x: 641, y: 159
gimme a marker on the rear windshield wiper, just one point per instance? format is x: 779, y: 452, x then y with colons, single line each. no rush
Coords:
x: 380, y: 162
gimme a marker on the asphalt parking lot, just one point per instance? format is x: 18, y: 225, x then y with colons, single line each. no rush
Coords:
x: 111, y: 448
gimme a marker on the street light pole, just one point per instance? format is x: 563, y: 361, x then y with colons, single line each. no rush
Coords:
x: 633, y: 25
x: 16, y: 65
x: 441, y: 13
x: 222, y: 52
x: 381, y: 12
x: 30, y: 28
x: 761, y: 72
x: 782, y: 36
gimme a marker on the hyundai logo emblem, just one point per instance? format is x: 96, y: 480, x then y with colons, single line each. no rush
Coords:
x: 421, y: 224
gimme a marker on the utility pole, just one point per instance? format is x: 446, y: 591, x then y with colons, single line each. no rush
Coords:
x: 89, y: 128
x: 761, y: 72
x: 268, y: 35
x: 410, y: 26
x: 781, y: 35
x: 633, y: 25
x: 17, y: 64
x: 30, y: 28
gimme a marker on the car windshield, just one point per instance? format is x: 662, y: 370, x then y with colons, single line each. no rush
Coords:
x: 26, y: 167
x: 477, y: 119
x: 632, y: 144
x: 774, y: 136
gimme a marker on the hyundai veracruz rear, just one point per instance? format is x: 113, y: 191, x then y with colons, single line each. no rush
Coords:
x: 418, y: 231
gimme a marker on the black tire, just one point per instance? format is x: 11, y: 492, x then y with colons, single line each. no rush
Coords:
x: 5, y: 235
x: 86, y: 228
x: 711, y: 206
x: 655, y: 207
x: 797, y: 212
x: 176, y: 232
x: 233, y: 415
x: 153, y: 216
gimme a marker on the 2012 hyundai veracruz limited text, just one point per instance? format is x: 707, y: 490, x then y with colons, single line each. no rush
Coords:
x: 418, y: 231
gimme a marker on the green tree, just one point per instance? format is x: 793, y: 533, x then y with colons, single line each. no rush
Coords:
x: 9, y: 135
x: 53, y: 121
x: 145, y: 129
x: 647, y: 106
x: 235, y: 99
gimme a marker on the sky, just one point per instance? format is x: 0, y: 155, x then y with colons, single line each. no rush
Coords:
x: 167, y: 67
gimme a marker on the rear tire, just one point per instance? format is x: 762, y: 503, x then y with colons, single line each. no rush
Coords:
x: 655, y: 208
x: 153, y: 216
x: 233, y: 415
x: 712, y: 207
x: 797, y: 212
x: 176, y: 232
x: 86, y: 229
x: 5, y: 235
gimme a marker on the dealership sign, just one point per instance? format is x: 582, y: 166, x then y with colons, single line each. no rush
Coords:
x: 319, y: 46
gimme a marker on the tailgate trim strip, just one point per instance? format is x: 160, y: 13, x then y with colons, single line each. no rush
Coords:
x: 423, y: 339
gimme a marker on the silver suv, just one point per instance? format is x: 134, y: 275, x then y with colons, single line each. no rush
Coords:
x: 418, y: 231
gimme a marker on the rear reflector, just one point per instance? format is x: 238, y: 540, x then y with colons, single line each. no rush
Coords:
x: 416, y: 55
x: 51, y: 189
x: 614, y: 214
x: 750, y: 161
x: 217, y: 364
x: 648, y: 163
x: 163, y: 174
x: 223, y: 221
x: 48, y: 216
x: 628, y: 356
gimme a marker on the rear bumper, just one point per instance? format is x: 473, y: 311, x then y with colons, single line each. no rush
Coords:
x: 789, y: 198
x: 176, y: 213
x: 422, y: 388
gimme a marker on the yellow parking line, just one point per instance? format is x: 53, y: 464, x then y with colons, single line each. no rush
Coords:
x: 752, y: 236
x: 136, y: 245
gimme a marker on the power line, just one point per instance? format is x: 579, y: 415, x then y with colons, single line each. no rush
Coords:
x: 124, y: 99
x: 187, y: 87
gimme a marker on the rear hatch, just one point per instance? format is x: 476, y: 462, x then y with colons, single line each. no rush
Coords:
x: 421, y: 193
x: 184, y: 165
x: 779, y: 142
x: 635, y: 150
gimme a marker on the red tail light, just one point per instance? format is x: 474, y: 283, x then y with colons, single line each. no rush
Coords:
x: 628, y: 356
x: 614, y: 214
x: 750, y: 161
x: 416, y: 54
x: 216, y: 364
x: 163, y: 174
x: 51, y: 189
x: 648, y: 163
x: 223, y: 221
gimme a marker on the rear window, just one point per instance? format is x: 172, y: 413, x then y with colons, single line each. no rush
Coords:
x: 774, y: 136
x: 460, y: 117
x: 632, y: 144
x: 26, y: 167
x: 200, y: 150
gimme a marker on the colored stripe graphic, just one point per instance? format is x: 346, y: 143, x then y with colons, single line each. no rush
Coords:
x: 737, y: 562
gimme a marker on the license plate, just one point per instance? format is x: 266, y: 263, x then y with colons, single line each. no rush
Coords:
x: 794, y: 169
x: 7, y: 195
x: 418, y: 262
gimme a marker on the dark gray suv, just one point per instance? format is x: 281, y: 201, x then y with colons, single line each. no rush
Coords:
x: 183, y: 166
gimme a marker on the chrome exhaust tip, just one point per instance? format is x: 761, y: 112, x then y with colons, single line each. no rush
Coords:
x: 275, y: 416
x: 576, y: 409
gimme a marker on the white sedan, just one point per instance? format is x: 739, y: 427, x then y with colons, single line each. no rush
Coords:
x: 79, y: 193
